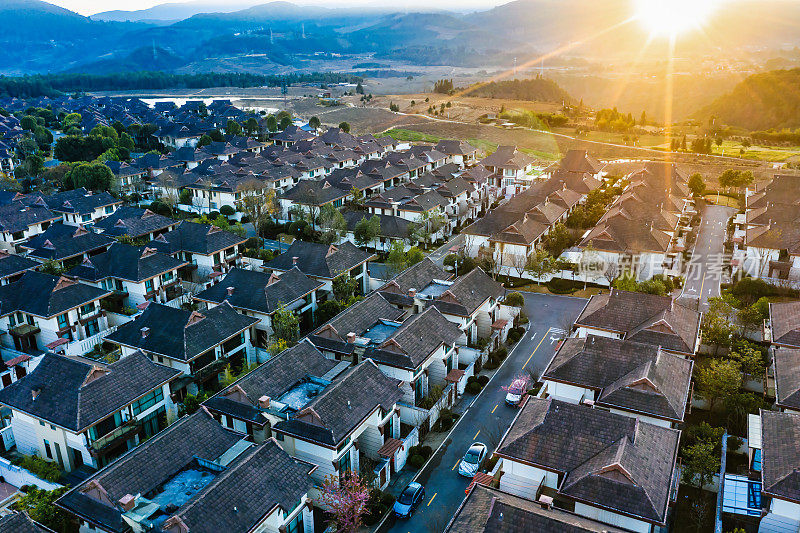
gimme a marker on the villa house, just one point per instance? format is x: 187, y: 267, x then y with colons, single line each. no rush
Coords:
x: 65, y: 245
x: 135, y: 274
x: 260, y: 295
x: 784, y: 324
x: 773, y: 443
x: 135, y: 223
x: 419, y: 352
x: 342, y: 424
x: 323, y: 263
x: 786, y: 364
x: 198, y: 344
x: 19, y: 222
x: 603, y: 466
x: 198, y: 477
x: 12, y: 266
x: 511, y: 168
x: 403, y: 290
x: 41, y: 311
x: 577, y: 162
x: 19, y: 522
x: 646, y: 318
x: 461, y: 153
x: 392, y: 229
x: 488, y: 510
x: 77, y: 206
x: 625, y: 377
x: 244, y: 406
x: 79, y: 412
x: 209, y: 250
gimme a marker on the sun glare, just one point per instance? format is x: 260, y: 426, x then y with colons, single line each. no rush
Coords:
x: 671, y: 17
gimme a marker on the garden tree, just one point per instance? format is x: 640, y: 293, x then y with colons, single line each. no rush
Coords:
x: 257, y: 203
x: 559, y: 238
x: 367, y: 230
x: 700, y: 463
x: 314, y: 122
x: 272, y: 123
x: 251, y: 125
x: 540, y: 263
x: 514, y: 299
x: 71, y: 120
x: 40, y: 505
x: 285, y: 325
x: 233, y: 128
x: 643, y: 119
x: 276, y: 346
x: 443, y: 86
x: 76, y: 148
x: 516, y: 262
x: 738, y: 405
x: 396, y: 258
x: 357, y: 198
x: 750, y: 318
x: 332, y: 224
x: 327, y: 310
x: 736, y: 178
x: 414, y: 255
x: 227, y: 211
x: 93, y: 176
x: 216, y: 136
x: 185, y: 197
x: 344, y: 126
x: 749, y: 358
x: 428, y: 225
x: 696, y: 184
x: 762, y: 305
x: 718, y: 379
x: 126, y: 142
x: 205, y: 140
x: 285, y: 122
x: 345, y: 497
x: 28, y: 123
x: 488, y: 264
x: 168, y: 185
x: 345, y: 288
x: 359, y: 88
x: 26, y: 147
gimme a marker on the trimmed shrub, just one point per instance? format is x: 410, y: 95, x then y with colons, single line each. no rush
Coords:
x: 416, y: 461
x: 474, y: 387
x: 227, y: 210
x: 252, y: 242
x: 515, y: 299
x: 483, y: 380
x: 563, y: 286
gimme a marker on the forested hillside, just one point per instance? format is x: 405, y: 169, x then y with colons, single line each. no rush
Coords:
x: 768, y: 100
x: 537, y: 89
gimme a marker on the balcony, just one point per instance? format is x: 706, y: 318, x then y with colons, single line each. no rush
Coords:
x: 25, y: 329
x: 115, y: 437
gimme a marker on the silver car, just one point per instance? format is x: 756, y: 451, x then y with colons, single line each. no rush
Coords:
x: 473, y: 459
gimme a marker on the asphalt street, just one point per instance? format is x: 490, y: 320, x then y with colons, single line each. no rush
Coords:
x: 487, y: 419
x: 703, y: 276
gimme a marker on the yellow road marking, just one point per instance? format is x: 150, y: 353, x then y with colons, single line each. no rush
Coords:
x: 476, y: 435
x: 495, y: 407
x: 455, y: 465
x: 537, y: 347
x: 432, y: 498
x: 702, y: 283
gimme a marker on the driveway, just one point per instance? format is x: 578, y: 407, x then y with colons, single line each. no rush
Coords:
x: 704, y: 274
x: 488, y: 417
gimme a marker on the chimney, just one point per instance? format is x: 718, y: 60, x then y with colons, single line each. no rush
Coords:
x: 263, y: 402
x: 546, y: 502
x: 35, y: 393
x: 230, y: 291
x: 294, y: 260
x: 412, y: 293
x: 351, y: 338
x: 145, y: 332
x: 127, y: 502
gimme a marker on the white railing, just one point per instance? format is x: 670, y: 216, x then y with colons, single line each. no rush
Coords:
x: 18, y: 477
x: 80, y: 347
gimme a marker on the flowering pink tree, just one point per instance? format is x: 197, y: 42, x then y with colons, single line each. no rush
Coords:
x: 519, y: 384
x: 346, y: 499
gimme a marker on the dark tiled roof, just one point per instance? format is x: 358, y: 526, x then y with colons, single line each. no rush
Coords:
x: 147, y: 467
x: 45, y: 295
x: 196, y: 238
x: 72, y: 397
x: 487, y: 510
x: 79, y: 201
x: 19, y: 522
x: 413, y: 342
x: 610, y: 460
x: 414, y: 277
x: 468, y: 293
x: 320, y: 260
x: 658, y: 320
x: 629, y: 375
x: 60, y: 241
x: 133, y: 221
x: 11, y: 264
x: 343, y: 405
x: 131, y: 263
x: 391, y: 226
x: 265, y: 478
x: 787, y: 377
x: 785, y: 320
x: 455, y: 147
x: 780, y: 445
x: 357, y: 318
x: 17, y: 216
x: 200, y: 331
x: 259, y: 291
x: 271, y: 379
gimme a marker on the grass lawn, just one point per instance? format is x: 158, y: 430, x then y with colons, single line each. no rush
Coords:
x: 533, y: 287
x: 717, y: 199
x: 401, y: 134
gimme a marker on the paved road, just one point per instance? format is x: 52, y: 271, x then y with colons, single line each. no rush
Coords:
x: 705, y: 269
x: 488, y: 417
x: 438, y: 255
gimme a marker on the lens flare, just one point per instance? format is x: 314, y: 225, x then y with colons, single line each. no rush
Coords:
x: 671, y: 17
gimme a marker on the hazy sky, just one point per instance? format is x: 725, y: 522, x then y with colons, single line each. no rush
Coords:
x: 89, y: 7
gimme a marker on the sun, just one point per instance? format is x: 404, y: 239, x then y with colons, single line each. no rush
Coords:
x: 671, y: 17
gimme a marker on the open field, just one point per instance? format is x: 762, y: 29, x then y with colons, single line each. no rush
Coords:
x: 718, y: 199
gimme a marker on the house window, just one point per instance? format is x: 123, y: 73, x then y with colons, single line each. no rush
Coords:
x: 47, y: 450
x: 87, y: 309
x: 166, y: 277
x: 154, y: 422
x: 91, y: 328
x: 63, y: 321
x: 12, y: 320
x: 147, y: 401
x: 216, y: 258
x: 86, y: 218
x: 449, y: 363
x: 344, y: 463
x: 148, y: 285
x: 418, y: 389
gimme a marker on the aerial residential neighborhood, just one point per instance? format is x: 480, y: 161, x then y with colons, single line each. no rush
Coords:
x: 473, y: 266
